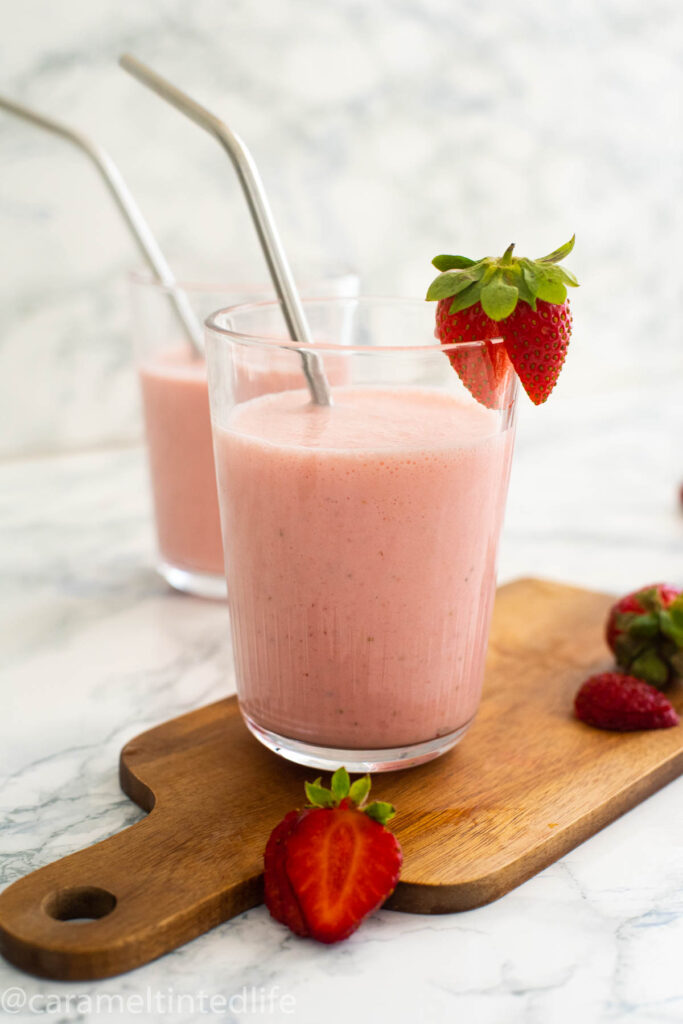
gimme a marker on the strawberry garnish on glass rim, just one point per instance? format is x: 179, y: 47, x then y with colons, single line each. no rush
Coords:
x: 521, y: 301
x: 328, y: 866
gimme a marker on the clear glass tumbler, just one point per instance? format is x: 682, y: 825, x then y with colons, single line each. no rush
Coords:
x: 360, y: 538
x: 175, y: 401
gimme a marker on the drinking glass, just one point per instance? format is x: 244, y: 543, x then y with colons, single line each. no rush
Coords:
x: 178, y: 429
x: 360, y: 538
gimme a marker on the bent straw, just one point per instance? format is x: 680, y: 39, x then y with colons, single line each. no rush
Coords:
x: 136, y: 223
x: 259, y: 207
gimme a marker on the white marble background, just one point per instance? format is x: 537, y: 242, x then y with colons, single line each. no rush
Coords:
x: 95, y: 650
x: 387, y: 131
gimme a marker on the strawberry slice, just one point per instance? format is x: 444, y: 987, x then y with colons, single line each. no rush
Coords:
x: 278, y: 892
x: 522, y: 301
x: 330, y: 865
x: 623, y: 703
x: 342, y: 866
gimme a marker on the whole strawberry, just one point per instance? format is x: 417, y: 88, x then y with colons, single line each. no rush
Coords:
x: 522, y: 302
x: 614, y: 701
x: 331, y: 864
x: 645, y: 631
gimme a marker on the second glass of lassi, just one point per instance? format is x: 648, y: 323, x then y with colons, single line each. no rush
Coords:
x: 360, y: 537
x: 175, y: 403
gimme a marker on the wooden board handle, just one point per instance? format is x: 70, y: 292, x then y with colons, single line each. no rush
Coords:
x: 116, y: 905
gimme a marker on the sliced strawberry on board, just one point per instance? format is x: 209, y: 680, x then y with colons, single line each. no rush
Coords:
x: 611, y: 700
x: 522, y: 301
x: 342, y: 865
x: 278, y: 893
x: 330, y: 865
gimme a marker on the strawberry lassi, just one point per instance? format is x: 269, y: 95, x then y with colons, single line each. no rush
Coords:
x: 175, y: 399
x: 361, y: 548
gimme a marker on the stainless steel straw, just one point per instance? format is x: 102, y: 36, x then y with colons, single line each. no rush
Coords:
x: 259, y: 207
x: 138, y: 226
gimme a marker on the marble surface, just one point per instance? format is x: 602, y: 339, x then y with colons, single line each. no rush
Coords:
x: 385, y: 131
x: 96, y: 649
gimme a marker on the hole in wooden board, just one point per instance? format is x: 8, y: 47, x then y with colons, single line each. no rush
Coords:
x: 82, y: 903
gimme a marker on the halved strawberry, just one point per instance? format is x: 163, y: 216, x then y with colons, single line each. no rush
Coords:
x: 622, y: 703
x: 522, y: 301
x: 484, y: 371
x: 278, y: 893
x: 330, y: 865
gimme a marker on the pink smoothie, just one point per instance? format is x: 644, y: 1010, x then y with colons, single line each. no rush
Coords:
x: 175, y: 397
x: 361, y: 549
x: 176, y: 403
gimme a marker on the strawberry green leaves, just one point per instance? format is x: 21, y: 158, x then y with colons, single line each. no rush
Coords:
x: 499, y: 284
x: 545, y: 283
x: 452, y: 262
x: 559, y: 254
x: 380, y: 811
x: 360, y: 789
x: 341, y: 784
x: 498, y: 299
x: 645, y: 631
x: 551, y: 291
x: 671, y: 622
x: 450, y: 283
x: 341, y: 788
x: 318, y: 795
x: 466, y: 297
x: 651, y: 667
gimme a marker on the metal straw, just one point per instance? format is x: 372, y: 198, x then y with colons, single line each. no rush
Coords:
x: 138, y: 226
x: 259, y: 207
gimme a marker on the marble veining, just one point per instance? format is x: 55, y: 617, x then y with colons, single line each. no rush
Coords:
x: 96, y: 649
x: 385, y: 131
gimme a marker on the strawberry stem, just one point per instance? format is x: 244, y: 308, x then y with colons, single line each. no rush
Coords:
x: 530, y: 280
x: 506, y: 258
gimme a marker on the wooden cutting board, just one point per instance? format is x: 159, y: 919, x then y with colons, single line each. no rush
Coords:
x: 525, y: 785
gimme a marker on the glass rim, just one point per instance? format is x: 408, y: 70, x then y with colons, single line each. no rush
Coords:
x: 273, y: 342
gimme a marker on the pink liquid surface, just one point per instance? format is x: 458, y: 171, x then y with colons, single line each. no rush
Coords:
x: 361, y: 561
